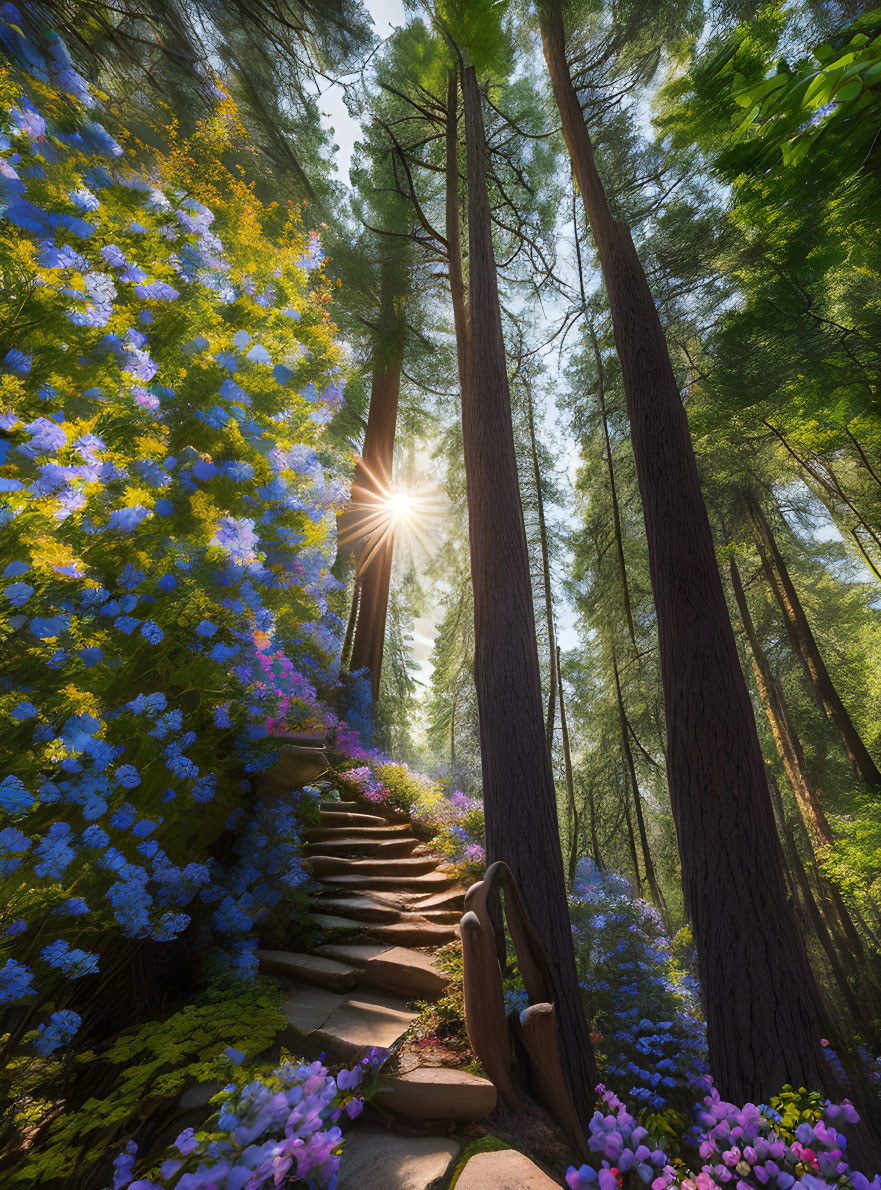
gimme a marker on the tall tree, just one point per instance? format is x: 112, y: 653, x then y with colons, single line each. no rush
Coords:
x: 732, y: 864
x: 804, y: 642
x: 518, y: 786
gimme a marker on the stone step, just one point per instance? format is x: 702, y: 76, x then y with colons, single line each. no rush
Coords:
x: 397, y: 969
x: 505, y: 1169
x: 331, y: 921
x: 446, y: 917
x: 319, y: 865
x: 437, y: 1093
x: 341, y: 1027
x: 363, y: 909
x: 403, y: 845
x: 429, y: 882
x: 349, y: 818
x: 412, y: 933
x: 391, y: 830
x: 363, y: 1020
x: 451, y: 898
x: 376, y: 1159
x: 324, y: 971
x: 297, y: 765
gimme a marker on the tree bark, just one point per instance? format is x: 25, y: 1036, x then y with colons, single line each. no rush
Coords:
x: 570, y: 782
x: 761, y: 1000
x: 613, y: 487
x: 648, y: 863
x: 805, y: 646
x: 786, y: 738
x: 518, y: 786
x: 546, y: 575
x: 373, y: 537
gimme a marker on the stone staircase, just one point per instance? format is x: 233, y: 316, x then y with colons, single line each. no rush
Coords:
x: 386, y: 904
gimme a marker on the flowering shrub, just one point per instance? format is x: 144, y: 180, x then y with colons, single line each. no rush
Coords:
x: 791, y: 1141
x: 167, y: 530
x: 271, y: 1129
x: 452, y: 822
x: 644, y: 1008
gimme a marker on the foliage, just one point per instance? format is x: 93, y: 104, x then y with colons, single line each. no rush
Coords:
x: 271, y: 1128
x: 643, y: 1005
x: 791, y: 1141
x: 453, y: 823
x: 152, y: 1062
x: 167, y: 532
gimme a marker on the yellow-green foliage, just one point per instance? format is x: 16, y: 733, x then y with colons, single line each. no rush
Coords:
x: 155, y: 1062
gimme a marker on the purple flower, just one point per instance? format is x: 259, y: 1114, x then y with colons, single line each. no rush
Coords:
x: 46, y: 438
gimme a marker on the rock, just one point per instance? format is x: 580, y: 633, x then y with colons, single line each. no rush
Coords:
x: 449, y: 899
x: 349, y: 818
x: 364, y: 909
x: 360, y: 1022
x: 307, y: 1008
x: 319, y: 865
x: 377, y: 1160
x: 437, y: 1093
x: 406, y: 972
x: 328, y: 922
x: 504, y: 1170
x: 345, y: 845
x: 414, y: 931
x: 311, y: 968
x: 297, y: 765
x: 428, y: 882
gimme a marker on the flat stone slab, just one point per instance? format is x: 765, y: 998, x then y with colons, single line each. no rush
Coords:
x: 307, y: 1008
x: 428, y: 881
x: 360, y: 1022
x: 437, y: 1093
x: 329, y: 922
x: 377, y: 1160
x: 395, y: 968
x: 354, y: 831
x: 504, y: 1170
x: 345, y: 845
x: 311, y: 968
x: 317, y: 864
x: 414, y: 932
x: 363, y: 909
x: 451, y: 898
x: 350, y: 818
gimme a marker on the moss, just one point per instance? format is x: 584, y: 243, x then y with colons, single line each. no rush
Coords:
x: 486, y: 1144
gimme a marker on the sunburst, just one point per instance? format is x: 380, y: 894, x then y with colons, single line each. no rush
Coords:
x: 399, y: 516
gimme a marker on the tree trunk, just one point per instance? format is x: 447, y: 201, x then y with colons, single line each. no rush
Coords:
x: 782, y: 728
x: 346, y: 654
x: 570, y: 782
x: 546, y: 574
x: 805, y: 646
x: 762, y: 1002
x: 518, y: 786
x: 648, y: 863
x: 613, y: 487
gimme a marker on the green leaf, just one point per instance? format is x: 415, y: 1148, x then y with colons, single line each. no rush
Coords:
x: 849, y: 91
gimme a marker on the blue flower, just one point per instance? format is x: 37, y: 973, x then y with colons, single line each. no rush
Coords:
x: 74, y: 963
x: 128, y: 518
x: 61, y: 1028
x: 14, y: 796
x: 24, y: 710
x: 152, y: 632
x: 128, y: 776
x: 206, y: 628
x: 16, y: 982
x: 94, y: 836
x: 55, y: 852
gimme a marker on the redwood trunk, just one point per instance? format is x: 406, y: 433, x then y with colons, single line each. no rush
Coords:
x: 782, y: 728
x: 518, y: 786
x: 570, y: 782
x: 546, y: 575
x: 372, y: 542
x: 805, y: 645
x: 648, y: 862
x: 761, y: 1000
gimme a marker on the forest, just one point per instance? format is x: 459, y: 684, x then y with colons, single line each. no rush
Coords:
x: 440, y: 594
